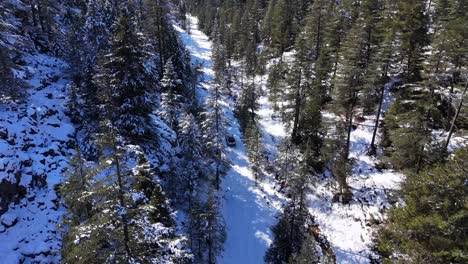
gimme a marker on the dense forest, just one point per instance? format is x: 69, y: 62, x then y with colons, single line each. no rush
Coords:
x: 233, y: 131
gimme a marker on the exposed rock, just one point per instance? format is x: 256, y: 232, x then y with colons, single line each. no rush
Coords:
x: 10, y: 192
x: 3, y: 133
x: 8, y: 220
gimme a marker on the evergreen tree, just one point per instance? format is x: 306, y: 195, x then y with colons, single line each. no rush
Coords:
x: 159, y: 30
x: 275, y: 81
x: 214, y: 133
x: 281, y: 22
x: 170, y: 97
x: 11, y: 87
x: 77, y: 183
x: 127, y: 217
x: 286, y: 161
x: 125, y: 85
x: 206, y: 228
x: 293, y: 224
x: 309, y: 252
x: 246, y: 106
x: 250, y: 38
x: 298, y: 81
x: 446, y: 59
x: 191, y: 169
x: 215, y: 228
x: 408, y: 125
x: 431, y: 227
x: 412, y: 25
x: 315, y: 24
x: 219, y: 58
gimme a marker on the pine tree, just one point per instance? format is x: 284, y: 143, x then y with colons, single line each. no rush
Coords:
x: 312, y: 132
x: 315, y: 23
x: 298, y: 83
x: 11, y: 87
x: 215, y: 228
x: 281, y: 22
x: 214, y: 132
x: 98, y: 22
x: 124, y: 83
x: 412, y: 26
x: 275, y: 81
x: 354, y: 77
x: 246, y: 106
x: 293, y: 224
x: 431, y: 227
x: 249, y: 39
x: 456, y: 116
x: 352, y: 73
x: 219, y: 58
x: 286, y: 161
x: 77, y: 184
x: 206, y: 227
x: 158, y: 30
x: 127, y: 218
x: 191, y: 166
x: 170, y: 97
x: 309, y: 252
x: 408, y: 125
x: 320, y: 39
x: 252, y: 139
x: 267, y: 26
x: 446, y: 59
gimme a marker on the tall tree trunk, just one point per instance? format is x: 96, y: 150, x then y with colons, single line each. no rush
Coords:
x: 318, y: 39
x: 34, y: 14
x: 121, y: 194
x: 297, y: 110
x: 218, y: 132
x: 350, y: 128
x: 372, y: 148
x: 452, y: 127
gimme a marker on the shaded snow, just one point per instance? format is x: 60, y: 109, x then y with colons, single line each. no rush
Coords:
x: 40, y: 133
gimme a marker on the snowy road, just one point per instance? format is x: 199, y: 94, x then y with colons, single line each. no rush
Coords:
x: 247, y: 214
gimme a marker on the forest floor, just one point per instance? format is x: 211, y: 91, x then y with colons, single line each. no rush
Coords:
x: 36, y: 134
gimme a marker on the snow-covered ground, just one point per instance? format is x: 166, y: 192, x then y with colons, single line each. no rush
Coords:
x: 273, y: 130
x: 349, y: 227
x: 35, y: 145
x: 248, y: 212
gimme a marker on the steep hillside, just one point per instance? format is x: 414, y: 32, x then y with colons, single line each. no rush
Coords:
x: 35, y: 145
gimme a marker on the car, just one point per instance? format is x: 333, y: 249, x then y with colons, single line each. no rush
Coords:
x: 275, y: 116
x: 231, y: 141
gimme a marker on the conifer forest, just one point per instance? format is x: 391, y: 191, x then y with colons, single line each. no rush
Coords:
x: 234, y: 131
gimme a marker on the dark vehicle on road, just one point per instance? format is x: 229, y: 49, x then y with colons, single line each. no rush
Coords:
x: 230, y: 140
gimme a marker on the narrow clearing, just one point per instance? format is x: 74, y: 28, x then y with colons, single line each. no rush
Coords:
x: 247, y: 212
